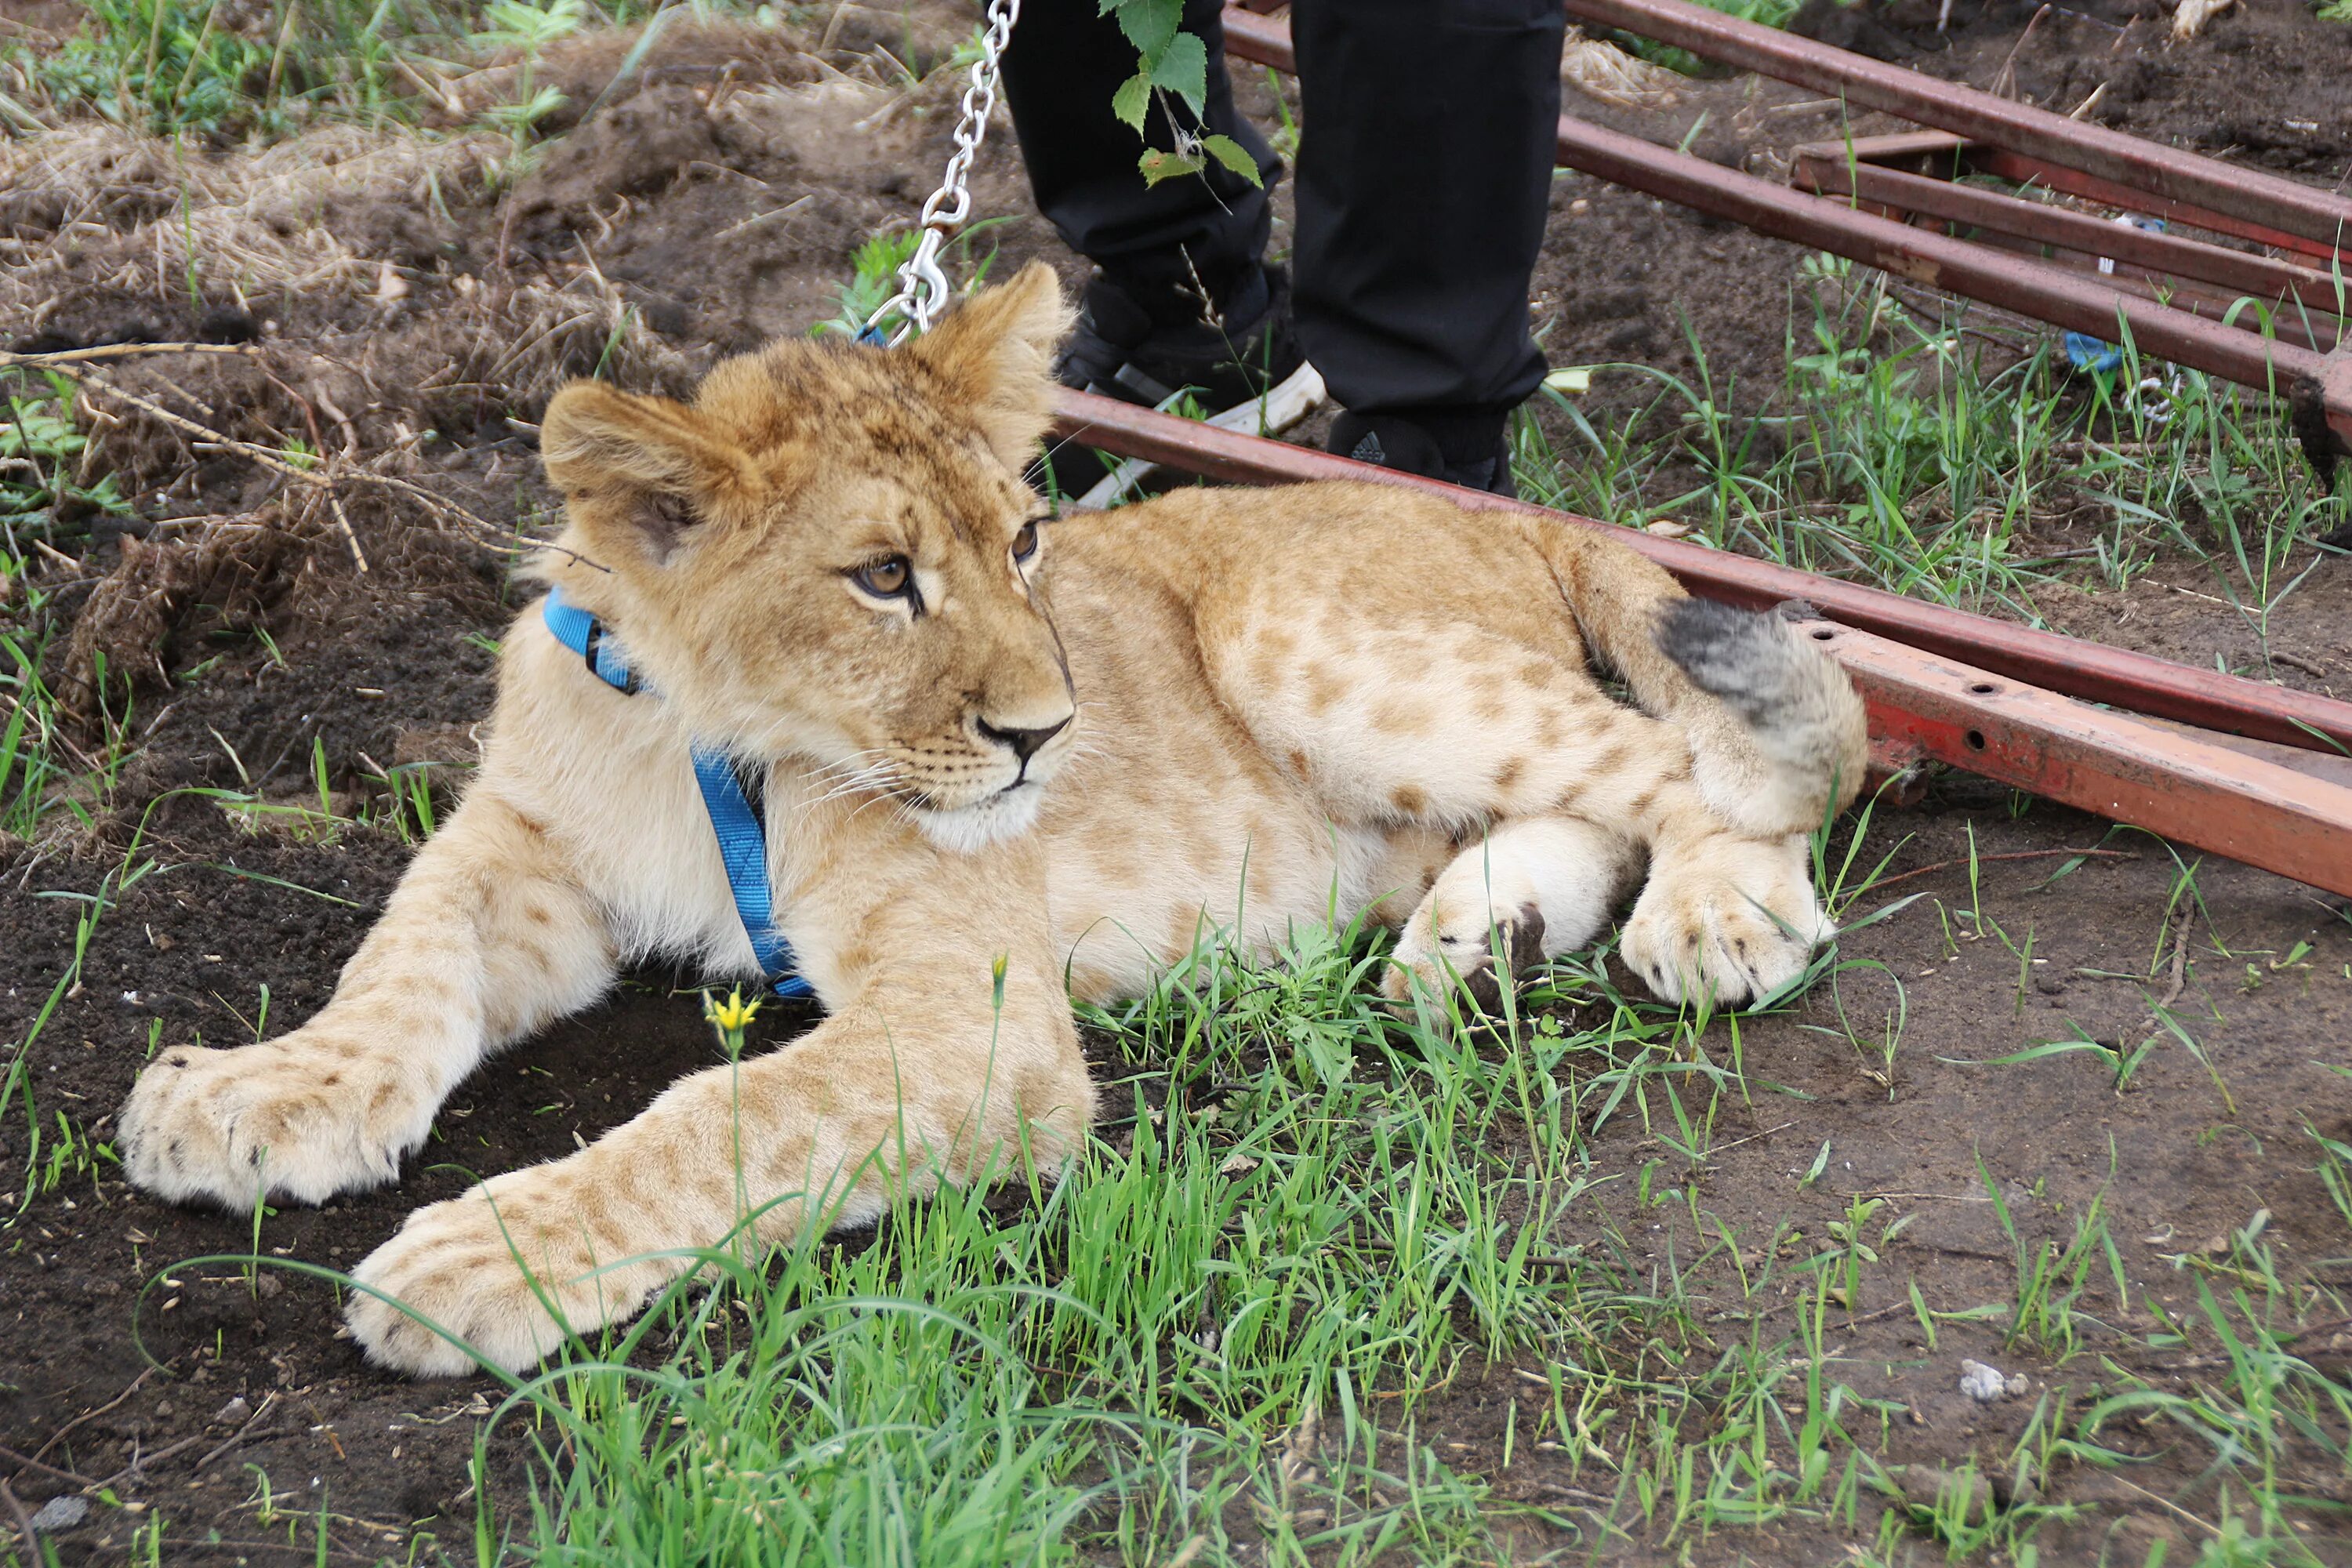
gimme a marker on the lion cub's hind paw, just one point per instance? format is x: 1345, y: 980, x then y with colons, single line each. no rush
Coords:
x: 1730, y: 932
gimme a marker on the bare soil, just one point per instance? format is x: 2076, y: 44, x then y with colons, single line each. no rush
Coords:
x: 405, y: 309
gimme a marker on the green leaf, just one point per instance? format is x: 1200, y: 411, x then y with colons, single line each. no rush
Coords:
x: 1233, y: 156
x: 1183, y: 70
x: 1157, y: 165
x: 1150, y: 25
x: 1133, y: 97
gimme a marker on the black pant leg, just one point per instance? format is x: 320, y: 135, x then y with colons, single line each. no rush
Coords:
x: 1424, y: 175
x: 1064, y: 63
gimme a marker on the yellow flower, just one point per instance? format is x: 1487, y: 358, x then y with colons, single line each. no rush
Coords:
x: 732, y: 1016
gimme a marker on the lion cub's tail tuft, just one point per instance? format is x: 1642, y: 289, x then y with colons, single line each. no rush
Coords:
x: 1797, y: 705
x: 1778, y: 737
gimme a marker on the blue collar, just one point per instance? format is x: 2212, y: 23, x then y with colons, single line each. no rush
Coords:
x: 733, y: 793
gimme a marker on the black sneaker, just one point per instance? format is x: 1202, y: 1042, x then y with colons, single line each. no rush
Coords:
x: 1394, y: 442
x: 1127, y: 349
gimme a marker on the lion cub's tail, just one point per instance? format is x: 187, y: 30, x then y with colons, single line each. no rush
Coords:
x: 1778, y: 737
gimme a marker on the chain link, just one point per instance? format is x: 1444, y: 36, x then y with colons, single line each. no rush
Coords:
x: 923, y: 287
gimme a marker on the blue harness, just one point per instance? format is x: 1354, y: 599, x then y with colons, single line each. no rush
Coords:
x: 734, y: 796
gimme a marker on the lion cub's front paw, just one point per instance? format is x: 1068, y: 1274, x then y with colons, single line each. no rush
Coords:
x: 460, y: 1267
x: 1731, y: 922
x: 1429, y: 961
x: 286, y: 1118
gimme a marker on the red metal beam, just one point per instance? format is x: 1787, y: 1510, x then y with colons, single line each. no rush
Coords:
x: 2110, y: 764
x: 1924, y: 703
x: 2085, y: 303
x: 2027, y: 171
x: 2315, y: 217
x: 2117, y: 677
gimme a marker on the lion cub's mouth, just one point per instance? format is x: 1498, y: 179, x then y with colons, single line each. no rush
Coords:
x: 1008, y: 813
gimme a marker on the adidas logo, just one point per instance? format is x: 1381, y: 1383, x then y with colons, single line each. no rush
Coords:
x: 1370, y: 450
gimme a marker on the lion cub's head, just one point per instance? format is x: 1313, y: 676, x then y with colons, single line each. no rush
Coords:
x: 830, y: 554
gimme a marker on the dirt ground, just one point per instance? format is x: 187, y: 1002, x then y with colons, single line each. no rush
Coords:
x: 405, y: 311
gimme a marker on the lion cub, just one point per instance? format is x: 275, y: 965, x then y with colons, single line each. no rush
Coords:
x: 985, y: 739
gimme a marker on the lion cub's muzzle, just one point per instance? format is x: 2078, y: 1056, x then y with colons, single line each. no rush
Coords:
x: 995, y: 795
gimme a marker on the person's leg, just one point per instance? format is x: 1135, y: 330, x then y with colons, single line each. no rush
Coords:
x: 1425, y: 175
x: 1182, y: 298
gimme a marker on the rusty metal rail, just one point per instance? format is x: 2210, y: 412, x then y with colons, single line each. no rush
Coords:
x: 1888, y: 173
x: 1956, y: 688
x: 2082, y: 300
x: 2273, y: 209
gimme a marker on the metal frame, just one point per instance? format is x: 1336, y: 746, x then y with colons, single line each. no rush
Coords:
x: 2220, y: 195
x: 1912, y: 175
x: 2263, y: 206
x: 1957, y: 689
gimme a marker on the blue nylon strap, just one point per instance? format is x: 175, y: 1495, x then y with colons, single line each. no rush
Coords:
x: 740, y: 827
x: 743, y: 845
x: 581, y: 632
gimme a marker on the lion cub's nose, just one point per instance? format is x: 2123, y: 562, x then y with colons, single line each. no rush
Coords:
x: 1024, y: 742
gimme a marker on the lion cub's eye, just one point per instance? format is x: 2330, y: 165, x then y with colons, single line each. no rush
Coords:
x: 885, y: 579
x: 1024, y: 543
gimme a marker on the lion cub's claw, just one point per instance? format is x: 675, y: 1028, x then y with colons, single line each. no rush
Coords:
x: 1466, y: 958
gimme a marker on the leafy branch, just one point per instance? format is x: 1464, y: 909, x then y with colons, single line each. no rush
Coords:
x: 1170, y: 62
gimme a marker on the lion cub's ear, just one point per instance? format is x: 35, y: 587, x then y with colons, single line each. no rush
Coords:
x: 648, y: 464
x: 995, y: 351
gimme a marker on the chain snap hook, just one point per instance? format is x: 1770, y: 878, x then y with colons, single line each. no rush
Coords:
x: 923, y: 287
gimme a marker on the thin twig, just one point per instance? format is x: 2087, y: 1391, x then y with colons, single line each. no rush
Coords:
x: 276, y: 461
x: 24, y: 1522
x: 2166, y: 1503
x: 2311, y: 668
x: 29, y: 1463
x: 319, y: 445
x: 2179, y: 980
x: 268, y: 1400
x: 142, y: 1461
x: 60, y: 358
x: 2011, y: 854
x: 58, y: 1436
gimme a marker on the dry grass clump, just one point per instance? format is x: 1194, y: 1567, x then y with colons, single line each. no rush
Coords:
x: 251, y: 225
x: 235, y: 568
x: 1599, y: 68
x: 303, y: 459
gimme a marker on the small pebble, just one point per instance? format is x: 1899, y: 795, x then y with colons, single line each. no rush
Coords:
x: 61, y: 1513
x: 232, y: 1414
x: 1985, y: 1383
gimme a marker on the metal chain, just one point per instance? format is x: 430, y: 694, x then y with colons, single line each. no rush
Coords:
x: 923, y: 287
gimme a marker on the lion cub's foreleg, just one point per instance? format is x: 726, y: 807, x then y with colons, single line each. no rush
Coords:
x: 486, y: 937
x: 920, y: 1077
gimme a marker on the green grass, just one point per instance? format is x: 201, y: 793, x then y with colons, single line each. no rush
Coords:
x: 1770, y: 13
x: 174, y: 67
x: 1939, y: 459
x: 169, y: 66
x: 1227, y: 1335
